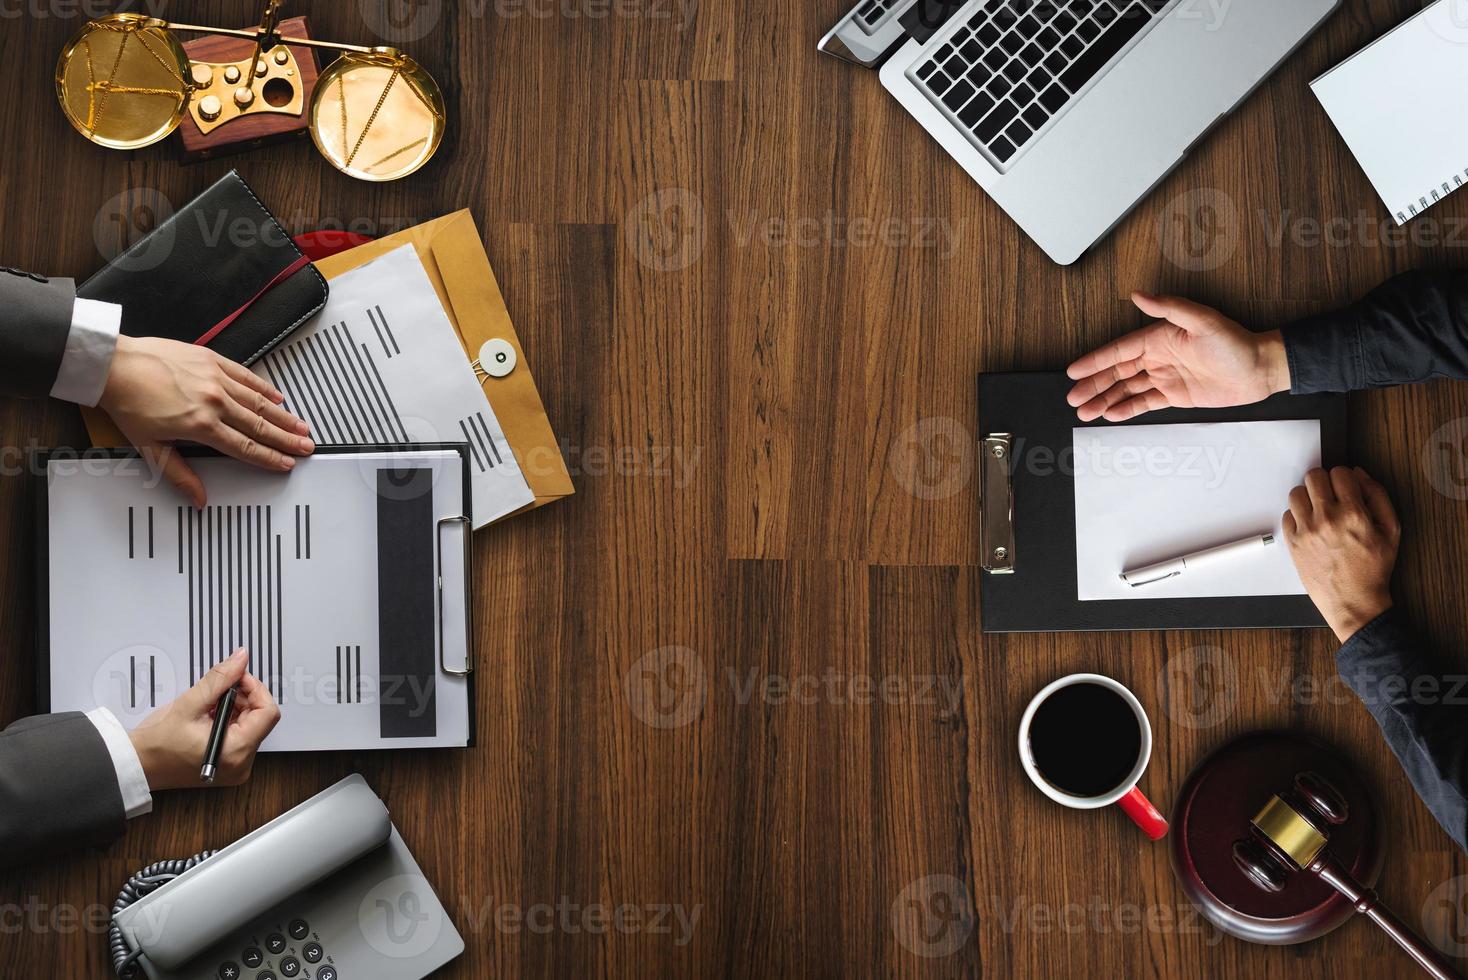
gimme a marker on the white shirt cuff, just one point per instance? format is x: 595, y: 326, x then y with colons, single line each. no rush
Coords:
x: 89, y: 349
x: 136, y: 800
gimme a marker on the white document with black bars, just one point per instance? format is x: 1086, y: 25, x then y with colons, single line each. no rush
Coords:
x: 382, y: 363
x: 328, y: 575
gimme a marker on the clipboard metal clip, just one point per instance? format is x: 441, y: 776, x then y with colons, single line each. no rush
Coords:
x: 996, y: 500
x: 468, y: 667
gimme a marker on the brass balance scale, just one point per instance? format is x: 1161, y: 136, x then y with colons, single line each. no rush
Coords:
x: 125, y: 81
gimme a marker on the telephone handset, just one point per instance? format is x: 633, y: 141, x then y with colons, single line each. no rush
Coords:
x: 325, y: 891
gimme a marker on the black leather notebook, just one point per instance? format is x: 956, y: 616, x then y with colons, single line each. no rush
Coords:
x: 220, y: 272
x: 1040, y: 595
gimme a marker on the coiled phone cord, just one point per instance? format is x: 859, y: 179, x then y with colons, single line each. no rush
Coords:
x: 124, y: 961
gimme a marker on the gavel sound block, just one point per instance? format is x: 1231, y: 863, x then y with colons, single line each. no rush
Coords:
x: 1276, y: 840
x: 231, y: 109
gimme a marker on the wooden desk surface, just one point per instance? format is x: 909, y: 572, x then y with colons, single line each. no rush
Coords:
x: 739, y: 676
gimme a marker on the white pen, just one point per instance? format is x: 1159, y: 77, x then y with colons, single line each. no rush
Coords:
x: 1173, y: 567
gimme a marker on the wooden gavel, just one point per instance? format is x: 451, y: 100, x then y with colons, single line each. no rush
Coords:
x: 1289, y: 835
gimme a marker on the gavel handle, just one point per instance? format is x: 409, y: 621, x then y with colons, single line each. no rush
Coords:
x: 1367, y: 901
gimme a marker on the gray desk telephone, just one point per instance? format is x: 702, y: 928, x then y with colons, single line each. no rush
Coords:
x: 326, y: 891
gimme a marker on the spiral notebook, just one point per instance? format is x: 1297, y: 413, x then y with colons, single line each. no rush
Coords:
x: 1388, y: 103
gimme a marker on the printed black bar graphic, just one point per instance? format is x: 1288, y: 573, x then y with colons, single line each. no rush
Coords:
x: 483, y: 437
x: 192, y: 603
x: 363, y: 357
x: 407, y: 661
x: 489, y: 438
x: 338, y: 675
x: 318, y: 374
x: 132, y: 681
x: 297, y: 392
x: 382, y: 317
x: 473, y: 450
x: 352, y: 384
x: 130, y: 533
x: 279, y: 626
x: 270, y: 609
x: 302, y: 365
x: 208, y: 564
x: 308, y: 531
x: 180, y: 541
x: 228, y: 644
x: 219, y: 575
x: 152, y: 681
x: 248, y: 633
x: 150, y: 532
x: 376, y: 374
x: 341, y: 342
x: 199, y: 543
x: 260, y: 591
x: 239, y: 571
x: 298, y: 532
x: 386, y: 350
x: 477, y: 439
x: 348, y: 684
x: 357, y: 673
x: 290, y: 365
x: 351, y: 405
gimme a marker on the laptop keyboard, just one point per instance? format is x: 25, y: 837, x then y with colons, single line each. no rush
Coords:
x: 871, y: 14
x: 1012, y: 65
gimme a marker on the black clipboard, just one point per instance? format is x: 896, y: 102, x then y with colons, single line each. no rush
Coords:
x: 39, y: 466
x: 1028, y: 514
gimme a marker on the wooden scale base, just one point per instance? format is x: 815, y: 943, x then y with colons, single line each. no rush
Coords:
x: 1213, y: 811
x: 278, y: 107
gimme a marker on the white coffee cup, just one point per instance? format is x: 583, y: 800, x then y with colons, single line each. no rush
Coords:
x: 1125, y: 794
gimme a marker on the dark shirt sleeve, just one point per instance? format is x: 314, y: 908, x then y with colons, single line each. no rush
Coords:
x: 1422, y: 713
x: 1411, y: 328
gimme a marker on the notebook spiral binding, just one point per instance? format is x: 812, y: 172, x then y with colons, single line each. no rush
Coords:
x: 1413, y: 210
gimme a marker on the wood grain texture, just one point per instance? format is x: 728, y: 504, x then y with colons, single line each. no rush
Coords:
x: 740, y: 673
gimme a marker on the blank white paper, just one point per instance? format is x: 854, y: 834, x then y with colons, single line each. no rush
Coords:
x: 1393, y: 103
x: 382, y: 363
x: 146, y: 593
x: 1146, y: 493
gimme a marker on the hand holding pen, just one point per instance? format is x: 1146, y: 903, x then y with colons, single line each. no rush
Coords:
x: 172, y: 740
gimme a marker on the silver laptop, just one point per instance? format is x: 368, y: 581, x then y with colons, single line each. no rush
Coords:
x: 1067, y: 112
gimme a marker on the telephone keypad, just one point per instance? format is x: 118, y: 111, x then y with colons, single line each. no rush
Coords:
x: 280, y: 958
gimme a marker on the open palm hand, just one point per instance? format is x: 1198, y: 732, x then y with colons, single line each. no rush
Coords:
x: 1192, y: 357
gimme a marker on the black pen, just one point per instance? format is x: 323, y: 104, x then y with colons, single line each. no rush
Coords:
x: 216, y: 736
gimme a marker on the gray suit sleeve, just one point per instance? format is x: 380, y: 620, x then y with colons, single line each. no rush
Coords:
x: 58, y: 788
x: 35, y: 319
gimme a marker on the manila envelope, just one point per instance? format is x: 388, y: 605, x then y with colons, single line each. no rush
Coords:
x: 454, y: 258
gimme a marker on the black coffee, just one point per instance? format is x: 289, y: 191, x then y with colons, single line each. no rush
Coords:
x: 1085, y: 739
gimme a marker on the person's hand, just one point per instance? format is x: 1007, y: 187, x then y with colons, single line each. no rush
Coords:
x: 1343, y: 535
x: 1193, y: 357
x: 170, y: 742
x: 159, y: 391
